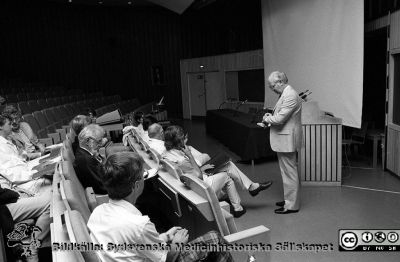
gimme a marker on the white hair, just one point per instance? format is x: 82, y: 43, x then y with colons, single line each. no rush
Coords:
x: 278, y: 77
x: 91, y: 131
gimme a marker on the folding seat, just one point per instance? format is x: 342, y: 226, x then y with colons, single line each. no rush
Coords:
x: 50, y: 102
x: 57, y: 101
x: 41, y: 133
x: 116, y: 98
x: 42, y: 103
x: 34, y: 106
x: 31, y: 96
x: 45, y: 125
x: 78, y: 232
x: 64, y: 100
x: 22, y: 97
x: 71, y: 110
x: 53, y: 120
x: 11, y: 98
x: 74, y: 108
x: 24, y: 108
x: 62, y: 114
x: 41, y: 95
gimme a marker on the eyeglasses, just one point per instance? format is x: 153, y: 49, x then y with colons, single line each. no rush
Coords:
x: 98, y: 141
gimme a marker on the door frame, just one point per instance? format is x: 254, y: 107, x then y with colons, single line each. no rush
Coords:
x: 188, y: 87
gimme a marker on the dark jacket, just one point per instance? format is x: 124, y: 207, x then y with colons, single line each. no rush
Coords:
x: 87, y: 169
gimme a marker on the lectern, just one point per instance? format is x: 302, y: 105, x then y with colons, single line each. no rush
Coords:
x: 320, y: 158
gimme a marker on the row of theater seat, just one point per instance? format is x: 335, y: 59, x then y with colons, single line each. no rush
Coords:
x: 53, y: 122
x: 191, y: 203
x: 30, y: 106
x: 22, y: 96
x: 72, y: 205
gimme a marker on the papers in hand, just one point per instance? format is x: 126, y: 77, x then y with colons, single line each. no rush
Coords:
x: 150, y: 173
x: 263, y: 125
x: 218, y: 161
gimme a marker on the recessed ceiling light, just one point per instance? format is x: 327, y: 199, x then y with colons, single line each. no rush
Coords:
x: 129, y: 2
x: 201, y: 66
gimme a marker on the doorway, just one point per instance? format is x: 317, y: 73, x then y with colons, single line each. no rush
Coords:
x: 364, y: 171
x: 205, y: 92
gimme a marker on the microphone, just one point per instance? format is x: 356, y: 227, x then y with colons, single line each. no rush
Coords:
x: 302, y: 93
x: 305, y: 95
x: 239, y: 105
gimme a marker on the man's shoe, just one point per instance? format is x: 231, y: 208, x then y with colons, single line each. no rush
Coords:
x: 262, y: 186
x: 237, y: 214
x: 280, y: 204
x: 282, y: 210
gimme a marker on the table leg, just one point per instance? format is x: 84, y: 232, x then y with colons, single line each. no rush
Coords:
x: 375, y: 152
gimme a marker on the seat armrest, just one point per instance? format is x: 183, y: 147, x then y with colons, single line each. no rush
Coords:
x: 46, y: 141
x: 224, y: 205
x: 230, y: 221
x: 91, y: 198
x: 66, y: 128
x: 94, y: 200
x: 259, y: 235
x: 55, y: 136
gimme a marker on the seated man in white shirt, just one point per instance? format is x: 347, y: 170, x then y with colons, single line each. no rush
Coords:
x: 120, y: 222
x: 13, y: 168
x: 156, y: 138
x: 22, y: 134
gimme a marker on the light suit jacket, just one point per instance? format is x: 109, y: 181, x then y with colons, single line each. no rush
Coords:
x: 285, y: 131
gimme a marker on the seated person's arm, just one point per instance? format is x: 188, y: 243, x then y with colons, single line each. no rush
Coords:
x: 192, y: 161
x: 18, y: 174
x: 26, y: 128
x: 151, y: 236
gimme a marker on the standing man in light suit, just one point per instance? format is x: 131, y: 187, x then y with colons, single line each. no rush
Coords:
x: 286, y: 139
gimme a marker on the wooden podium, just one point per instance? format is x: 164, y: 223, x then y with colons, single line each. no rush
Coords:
x: 320, y: 158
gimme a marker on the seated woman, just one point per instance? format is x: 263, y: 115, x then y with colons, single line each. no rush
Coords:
x: 22, y: 134
x: 138, y: 124
x: 77, y: 124
x: 222, y: 182
x: 148, y: 120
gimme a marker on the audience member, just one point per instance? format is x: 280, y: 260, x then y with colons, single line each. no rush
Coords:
x: 222, y: 181
x: 138, y: 118
x: 156, y: 138
x: 88, y: 161
x: 147, y: 121
x: 15, y: 209
x: 14, y: 169
x: 77, y: 124
x: 119, y: 221
x: 22, y: 134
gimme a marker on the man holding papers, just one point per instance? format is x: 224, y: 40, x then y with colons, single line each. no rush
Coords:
x: 13, y: 168
x: 286, y: 139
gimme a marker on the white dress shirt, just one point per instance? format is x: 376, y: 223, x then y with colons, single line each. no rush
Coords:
x: 14, y: 168
x: 157, y: 145
x: 120, y: 222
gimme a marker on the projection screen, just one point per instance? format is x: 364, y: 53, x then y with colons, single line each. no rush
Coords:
x: 319, y: 45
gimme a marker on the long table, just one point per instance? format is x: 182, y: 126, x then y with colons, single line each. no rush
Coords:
x: 237, y: 131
